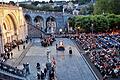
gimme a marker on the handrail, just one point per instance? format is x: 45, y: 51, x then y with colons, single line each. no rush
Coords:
x: 12, y: 70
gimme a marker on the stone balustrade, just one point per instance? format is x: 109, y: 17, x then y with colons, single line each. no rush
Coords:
x: 12, y: 70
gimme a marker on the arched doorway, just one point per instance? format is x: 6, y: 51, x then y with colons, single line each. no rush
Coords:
x: 9, y: 29
x: 50, y: 25
x: 39, y: 22
x: 28, y: 18
x: 29, y: 24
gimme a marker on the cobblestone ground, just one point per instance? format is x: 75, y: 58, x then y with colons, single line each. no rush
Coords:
x: 67, y: 67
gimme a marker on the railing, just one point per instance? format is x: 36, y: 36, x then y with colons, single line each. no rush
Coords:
x: 12, y: 70
x: 41, y: 12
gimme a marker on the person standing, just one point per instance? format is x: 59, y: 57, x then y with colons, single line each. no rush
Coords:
x: 42, y: 75
x: 48, y: 65
x: 54, y: 62
x: 27, y: 68
x: 45, y: 71
x: 11, y: 55
x: 48, y: 54
x: 24, y: 46
x: 38, y: 75
x: 70, y: 50
x: 38, y: 67
x: 8, y: 55
x: 56, y: 46
x: 18, y: 48
x: 26, y: 41
x: 30, y: 40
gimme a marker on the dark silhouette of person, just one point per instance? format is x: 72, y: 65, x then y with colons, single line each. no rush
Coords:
x: 8, y: 55
x: 23, y: 46
x: 42, y: 75
x: 11, y: 55
x: 70, y: 50
x: 45, y: 71
x: 38, y: 75
x: 27, y: 69
x: 56, y: 46
x: 38, y: 67
x: 18, y: 47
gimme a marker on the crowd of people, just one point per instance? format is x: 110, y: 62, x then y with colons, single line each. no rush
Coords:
x: 8, y: 47
x: 107, y: 61
x: 104, y: 56
x: 48, y: 72
x: 87, y: 41
x: 47, y: 41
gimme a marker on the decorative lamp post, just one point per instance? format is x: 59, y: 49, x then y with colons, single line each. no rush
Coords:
x: 92, y: 27
x: 78, y: 29
x: 76, y: 25
x: 60, y: 30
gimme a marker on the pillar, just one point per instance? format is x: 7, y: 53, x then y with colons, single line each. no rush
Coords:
x: 1, y: 44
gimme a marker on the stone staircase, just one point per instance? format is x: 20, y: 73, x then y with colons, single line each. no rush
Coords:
x: 10, y: 72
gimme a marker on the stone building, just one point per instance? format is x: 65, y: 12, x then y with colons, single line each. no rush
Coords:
x: 12, y: 25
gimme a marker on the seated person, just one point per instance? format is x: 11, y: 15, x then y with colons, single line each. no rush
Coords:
x: 70, y: 50
x: 61, y: 43
x: 60, y: 46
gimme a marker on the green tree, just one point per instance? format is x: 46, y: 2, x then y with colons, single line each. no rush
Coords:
x: 47, y: 7
x: 107, y: 6
x: 114, y: 20
x: 100, y: 23
x: 71, y: 22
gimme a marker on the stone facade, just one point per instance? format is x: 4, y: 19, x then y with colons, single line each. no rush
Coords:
x: 50, y: 22
x: 12, y: 25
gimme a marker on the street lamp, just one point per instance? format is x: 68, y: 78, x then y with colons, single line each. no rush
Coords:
x: 92, y: 27
x: 76, y: 25
x: 116, y: 27
x: 60, y: 30
x: 78, y: 29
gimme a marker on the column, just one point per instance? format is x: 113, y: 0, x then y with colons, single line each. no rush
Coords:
x: 1, y: 44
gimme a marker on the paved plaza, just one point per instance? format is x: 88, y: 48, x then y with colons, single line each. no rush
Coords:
x: 67, y: 68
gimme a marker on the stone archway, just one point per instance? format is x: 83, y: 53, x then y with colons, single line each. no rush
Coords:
x: 29, y: 24
x: 50, y: 25
x: 39, y: 22
x: 28, y: 18
x: 9, y: 29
